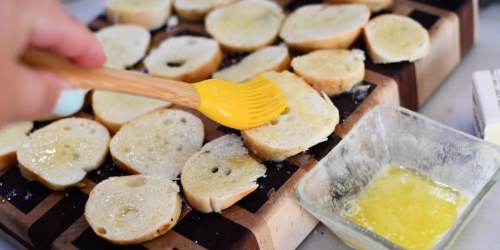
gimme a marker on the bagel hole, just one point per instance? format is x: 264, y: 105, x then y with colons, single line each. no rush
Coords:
x: 125, y: 149
x: 227, y: 172
x: 176, y: 64
x: 215, y: 170
x: 76, y: 156
x: 101, y: 230
x: 167, y: 122
x: 179, y: 148
x: 92, y: 131
x: 136, y: 182
x: 183, y: 120
x: 67, y: 128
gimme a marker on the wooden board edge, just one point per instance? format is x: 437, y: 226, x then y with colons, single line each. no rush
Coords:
x: 386, y: 92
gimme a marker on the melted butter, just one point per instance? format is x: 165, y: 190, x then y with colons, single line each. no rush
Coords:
x: 406, y: 207
x: 256, y: 18
x: 61, y: 150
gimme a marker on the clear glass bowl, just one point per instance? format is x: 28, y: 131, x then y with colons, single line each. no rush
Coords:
x: 390, y: 135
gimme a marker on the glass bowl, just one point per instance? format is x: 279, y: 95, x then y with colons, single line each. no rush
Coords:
x: 391, y: 135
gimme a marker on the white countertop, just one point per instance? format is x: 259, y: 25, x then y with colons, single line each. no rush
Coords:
x: 451, y: 105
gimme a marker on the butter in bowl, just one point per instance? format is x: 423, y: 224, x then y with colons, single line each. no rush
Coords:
x: 399, y: 180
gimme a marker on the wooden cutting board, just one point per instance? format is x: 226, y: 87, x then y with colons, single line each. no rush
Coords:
x: 270, y: 217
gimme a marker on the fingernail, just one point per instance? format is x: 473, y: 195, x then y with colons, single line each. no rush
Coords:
x: 69, y: 102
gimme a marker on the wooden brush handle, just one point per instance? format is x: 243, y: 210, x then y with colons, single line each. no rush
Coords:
x: 103, y: 78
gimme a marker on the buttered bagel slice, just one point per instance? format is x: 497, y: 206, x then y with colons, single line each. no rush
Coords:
x: 61, y: 153
x: 11, y: 137
x: 158, y: 143
x: 133, y: 209
x: 272, y: 58
x: 374, y: 5
x: 124, y: 45
x: 332, y: 71
x: 150, y: 14
x: 114, y: 109
x: 184, y: 58
x: 308, y: 120
x: 196, y: 10
x: 220, y: 174
x: 246, y: 25
x: 393, y: 38
x: 322, y: 26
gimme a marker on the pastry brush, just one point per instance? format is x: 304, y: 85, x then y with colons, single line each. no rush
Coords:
x: 235, y: 105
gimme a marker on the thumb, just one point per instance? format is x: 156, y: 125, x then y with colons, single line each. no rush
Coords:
x: 28, y: 92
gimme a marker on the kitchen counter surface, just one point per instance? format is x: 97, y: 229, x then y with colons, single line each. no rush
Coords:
x: 451, y: 105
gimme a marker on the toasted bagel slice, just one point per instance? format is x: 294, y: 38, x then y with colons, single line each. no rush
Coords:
x: 220, y: 174
x: 308, y: 120
x: 374, y: 5
x: 322, y: 26
x: 124, y: 45
x: 114, y: 109
x: 12, y: 137
x: 393, y: 38
x: 332, y: 71
x: 246, y: 25
x: 184, y: 58
x: 158, y: 143
x: 60, y: 154
x: 196, y: 10
x: 133, y: 209
x: 272, y: 58
x: 150, y: 14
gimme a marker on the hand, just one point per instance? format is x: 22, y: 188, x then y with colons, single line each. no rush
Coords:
x: 26, y: 92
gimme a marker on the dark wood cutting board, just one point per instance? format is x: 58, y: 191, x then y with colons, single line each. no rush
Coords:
x: 270, y: 217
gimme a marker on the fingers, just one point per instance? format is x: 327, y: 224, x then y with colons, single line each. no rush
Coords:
x: 55, y: 30
x: 27, y: 92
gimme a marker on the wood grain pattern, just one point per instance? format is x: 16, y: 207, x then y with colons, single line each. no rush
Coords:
x: 444, y: 54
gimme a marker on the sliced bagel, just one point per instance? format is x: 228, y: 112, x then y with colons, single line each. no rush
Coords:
x: 151, y: 14
x: 308, y: 120
x: 220, y: 174
x: 374, y: 5
x: 158, y: 143
x: 331, y: 71
x: 114, y: 109
x: 394, y: 38
x: 124, y: 45
x: 272, y: 58
x: 196, y: 10
x: 133, y: 209
x: 184, y: 58
x: 61, y: 153
x: 322, y: 26
x: 246, y: 25
x: 11, y: 137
